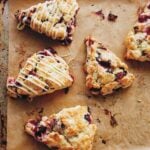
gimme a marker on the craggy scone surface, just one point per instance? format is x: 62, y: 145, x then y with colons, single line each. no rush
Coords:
x: 43, y: 73
x: 105, y: 71
x: 54, y: 18
x: 70, y: 129
x: 138, y: 40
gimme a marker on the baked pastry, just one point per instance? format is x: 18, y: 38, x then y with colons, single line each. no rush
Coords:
x: 43, y: 73
x: 105, y: 71
x: 54, y: 18
x: 70, y: 129
x: 138, y: 39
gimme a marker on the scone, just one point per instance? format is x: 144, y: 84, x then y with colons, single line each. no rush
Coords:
x: 43, y: 73
x: 138, y: 40
x: 70, y: 129
x: 54, y: 18
x: 105, y: 71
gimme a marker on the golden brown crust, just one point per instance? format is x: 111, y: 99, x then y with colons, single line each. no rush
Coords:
x: 70, y: 129
x: 105, y: 71
x: 55, y: 18
x: 43, y: 73
x: 138, y: 39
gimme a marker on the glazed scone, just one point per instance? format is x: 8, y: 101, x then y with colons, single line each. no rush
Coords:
x: 70, y: 129
x: 138, y: 39
x: 54, y: 18
x: 43, y: 73
x: 105, y: 71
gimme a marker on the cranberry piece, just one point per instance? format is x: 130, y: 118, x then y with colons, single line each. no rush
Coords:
x: 105, y: 64
x: 43, y: 53
x: 90, y: 42
x: 69, y: 29
x: 143, y: 18
x: 112, y: 17
x: 32, y: 72
x: 148, y: 6
x: 11, y: 80
x: 28, y: 20
x: 33, y: 11
x: 52, y: 123
x: 46, y: 53
x: 88, y: 118
x: 50, y: 49
x: 102, y: 47
x: 120, y: 75
x: 148, y: 30
x: 100, y: 13
x: 18, y: 84
x: 40, y: 130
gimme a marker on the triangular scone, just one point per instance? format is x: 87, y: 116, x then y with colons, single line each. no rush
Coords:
x: 54, y: 18
x: 105, y: 71
x: 138, y: 40
x: 43, y: 73
x: 70, y: 129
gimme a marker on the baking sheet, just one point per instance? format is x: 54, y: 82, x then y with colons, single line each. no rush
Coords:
x: 3, y: 71
x: 129, y: 127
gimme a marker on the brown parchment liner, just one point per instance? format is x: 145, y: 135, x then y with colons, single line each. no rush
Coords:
x: 130, y: 107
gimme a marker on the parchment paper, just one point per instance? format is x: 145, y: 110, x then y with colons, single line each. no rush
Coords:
x: 130, y: 107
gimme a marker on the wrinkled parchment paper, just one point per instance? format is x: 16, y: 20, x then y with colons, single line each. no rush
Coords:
x: 128, y: 126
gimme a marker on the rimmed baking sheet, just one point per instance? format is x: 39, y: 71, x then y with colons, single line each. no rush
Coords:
x: 130, y: 107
